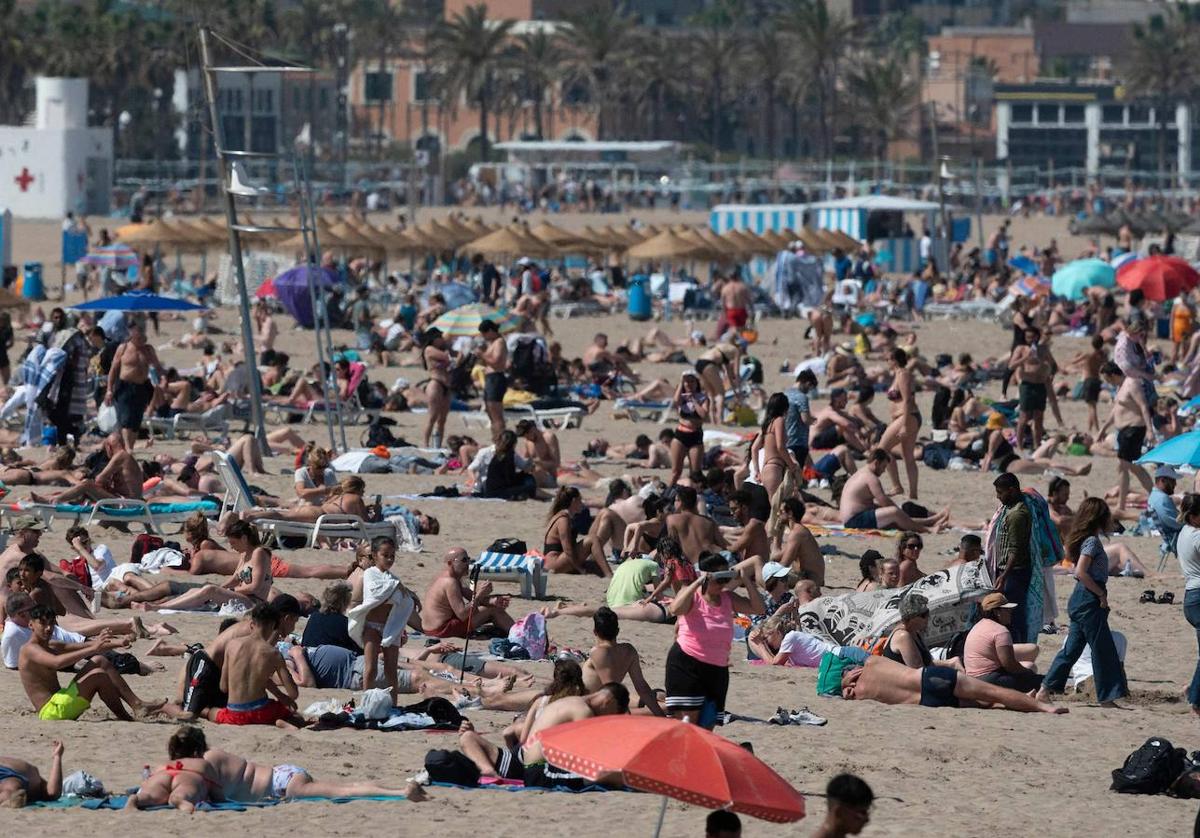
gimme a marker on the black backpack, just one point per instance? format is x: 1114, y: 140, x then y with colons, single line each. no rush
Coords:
x: 509, y: 545
x: 1151, y: 769
x: 452, y: 767
x: 378, y: 433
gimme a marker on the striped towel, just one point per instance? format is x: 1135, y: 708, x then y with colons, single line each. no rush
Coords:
x: 506, y: 562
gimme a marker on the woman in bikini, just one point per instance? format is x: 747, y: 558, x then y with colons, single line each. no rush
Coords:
x: 770, y: 450
x: 688, y: 444
x: 437, y: 361
x: 250, y: 583
x: 55, y: 471
x: 868, y: 568
x: 644, y: 536
x: 346, y: 498
x: 905, y: 423
x: 718, y: 367
x: 561, y: 553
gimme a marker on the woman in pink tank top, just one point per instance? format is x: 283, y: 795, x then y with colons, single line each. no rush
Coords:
x: 698, y: 663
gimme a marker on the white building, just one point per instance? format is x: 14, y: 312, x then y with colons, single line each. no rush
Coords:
x: 58, y: 164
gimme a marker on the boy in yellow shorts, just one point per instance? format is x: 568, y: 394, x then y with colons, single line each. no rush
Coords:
x: 39, y: 665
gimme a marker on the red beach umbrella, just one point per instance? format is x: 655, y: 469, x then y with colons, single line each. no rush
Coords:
x: 1159, y: 277
x: 674, y: 759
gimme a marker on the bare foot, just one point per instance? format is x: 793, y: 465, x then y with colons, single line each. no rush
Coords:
x: 139, y: 629
x: 161, y: 629
x: 149, y: 708
x: 1052, y: 709
x: 415, y: 792
x: 39, y: 498
x: 1084, y: 470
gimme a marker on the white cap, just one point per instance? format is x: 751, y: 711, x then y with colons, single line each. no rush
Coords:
x: 524, y: 260
x: 773, y: 569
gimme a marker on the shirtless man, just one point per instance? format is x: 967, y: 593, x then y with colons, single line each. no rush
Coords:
x: 199, y: 686
x: 22, y: 784
x: 601, y: 363
x: 695, y: 533
x: 1034, y: 369
x: 526, y: 760
x: 1131, y: 417
x: 1088, y: 364
x: 449, y: 606
x: 738, y: 303
x: 121, y: 477
x: 865, y: 505
x: 39, y: 664
x: 750, y: 543
x: 25, y: 535
x: 798, y: 549
x: 256, y: 678
x: 182, y: 783
x: 541, y: 449
x: 129, y: 383
x: 610, y: 661
x: 833, y: 426
x: 843, y: 369
x: 495, y: 379
x: 889, y: 682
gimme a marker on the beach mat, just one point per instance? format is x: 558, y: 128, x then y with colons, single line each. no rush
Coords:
x: 117, y: 801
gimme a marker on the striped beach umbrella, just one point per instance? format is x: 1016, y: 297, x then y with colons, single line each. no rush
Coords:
x: 119, y: 256
x: 464, y: 321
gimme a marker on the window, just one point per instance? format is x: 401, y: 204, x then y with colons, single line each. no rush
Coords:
x: 377, y: 87
x: 422, y: 81
x: 1047, y: 114
x: 1113, y: 115
x: 1073, y: 114
x: 323, y: 98
x: 1022, y: 113
x: 1139, y: 115
x: 269, y: 100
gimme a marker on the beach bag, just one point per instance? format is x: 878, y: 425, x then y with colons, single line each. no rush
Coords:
x: 106, y: 419
x: 376, y: 704
x: 444, y: 714
x: 1151, y: 769
x: 514, y: 546
x: 829, y: 673
x: 530, y: 632
x: 452, y: 767
x: 76, y: 569
x: 143, y: 544
x: 937, y: 457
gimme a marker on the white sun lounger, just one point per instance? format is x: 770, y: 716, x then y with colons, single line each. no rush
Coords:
x: 238, y: 498
x: 214, y: 421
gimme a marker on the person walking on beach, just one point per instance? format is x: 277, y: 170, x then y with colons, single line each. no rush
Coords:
x: 129, y: 383
x: 495, y: 380
x: 1089, y: 611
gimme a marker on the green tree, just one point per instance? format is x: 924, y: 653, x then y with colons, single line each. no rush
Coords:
x: 599, y: 36
x: 538, y: 60
x: 470, y: 48
x: 820, y: 42
x: 1162, y: 66
x: 886, y: 96
x: 716, y: 43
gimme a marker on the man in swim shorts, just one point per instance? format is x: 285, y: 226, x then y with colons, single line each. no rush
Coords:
x: 889, y: 682
x: 865, y: 505
x: 129, y: 383
x: 495, y: 378
x: 737, y: 302
x: 21, y: 783
x: 1035, y: 370
x: 449, y: 606
x: 253, y: 671
x: 39, y: 666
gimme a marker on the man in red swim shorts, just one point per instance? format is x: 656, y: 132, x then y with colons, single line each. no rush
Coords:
x: 449, y: 605
x: 251, y: 664
x: 738, y: 303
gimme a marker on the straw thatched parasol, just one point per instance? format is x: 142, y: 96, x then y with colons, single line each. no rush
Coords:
x: 669, y: 245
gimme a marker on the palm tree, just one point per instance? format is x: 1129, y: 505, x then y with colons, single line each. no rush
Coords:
x: 820, y: 40
x: 886, y: 96
x: 715, y: 46
x: 470, y: 47
x: 1162, y: 65
x: 16, y: 58
x: 765, y: 65
x: 380, y: 26
x: 599, y: 39
x: 539, y: 58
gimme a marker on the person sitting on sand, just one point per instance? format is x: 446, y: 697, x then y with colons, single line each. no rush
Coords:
x: 611, y: 662
x: 865, y: 505
x: 888, y: 682
x: 849, y: 801
x: 39, y: 665
x: 250, y: 583
x: 257, y: 682
x: 695, y: 533
x: 905, y: 644
x: 562, y: 552
x: 990, y: 654
x: 21, y: 783
x: 449, y: 607
x: 798, y: 549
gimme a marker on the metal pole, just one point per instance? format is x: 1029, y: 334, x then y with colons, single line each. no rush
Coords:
x: 937, y: 172
x: 978, y: 204
x: 235, y: 250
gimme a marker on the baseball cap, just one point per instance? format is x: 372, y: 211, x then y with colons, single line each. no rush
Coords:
x: 524, y: 260
x: 993, y: 601
x: 772, y: 570
x: 26, y: 522
x: 1167, y: 472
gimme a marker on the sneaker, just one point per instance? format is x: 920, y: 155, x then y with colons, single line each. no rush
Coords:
x: 806, y: 717
x: 1050, y: 628
x: 468, y: 703
x: 781, y: 717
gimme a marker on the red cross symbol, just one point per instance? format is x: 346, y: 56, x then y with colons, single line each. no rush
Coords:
x: 24, y: 179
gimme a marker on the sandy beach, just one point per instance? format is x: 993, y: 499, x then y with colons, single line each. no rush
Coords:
x: 935, y: 772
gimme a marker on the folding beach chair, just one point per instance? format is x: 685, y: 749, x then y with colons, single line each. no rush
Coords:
x: 515, y: 567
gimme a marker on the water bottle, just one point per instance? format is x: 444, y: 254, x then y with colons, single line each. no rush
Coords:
x: 145, y: 772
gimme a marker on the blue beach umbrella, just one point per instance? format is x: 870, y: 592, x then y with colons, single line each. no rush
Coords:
x: 1182, y: 450
x: 1024, y: 264
x: 1071, y: 280
x: 138, y: 301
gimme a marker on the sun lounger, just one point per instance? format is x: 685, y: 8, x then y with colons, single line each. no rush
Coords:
x: 153, y: 516
x: 555, y: 418
x: 214, y: 421
x: 638, y: 410
x: 238, y: 498
x: 515, y: 567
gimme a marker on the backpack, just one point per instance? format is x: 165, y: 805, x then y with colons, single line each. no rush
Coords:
x: 524, y: 359
x: 143, y: 544
x: 514, y: 546
x: 452, y: 767
x: 937, y: 456
x: 1151, y: 769
x: 378, y: 433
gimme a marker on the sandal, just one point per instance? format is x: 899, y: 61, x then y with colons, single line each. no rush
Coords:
x: 1147, y: 596
x: 1165, y: 598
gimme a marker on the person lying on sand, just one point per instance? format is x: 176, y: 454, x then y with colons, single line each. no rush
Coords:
x: 21, y: 783
x: 889, y: 682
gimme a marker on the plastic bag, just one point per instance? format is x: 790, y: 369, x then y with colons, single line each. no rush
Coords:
x: 320, y: 708
x: 376, y: 704
x: 106, y: 419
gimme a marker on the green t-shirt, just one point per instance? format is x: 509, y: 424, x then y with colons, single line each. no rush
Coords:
x: 629, y: 581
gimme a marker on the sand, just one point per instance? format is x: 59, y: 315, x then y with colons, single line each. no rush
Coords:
x: 937, y: 772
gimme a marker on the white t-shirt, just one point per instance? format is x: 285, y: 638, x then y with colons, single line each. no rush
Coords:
x: 804, y: 649
x: 1187, y: 548
x: 329, y: 478
x: 16, y: 636
x: 483, y: 459
x: 99, y: 577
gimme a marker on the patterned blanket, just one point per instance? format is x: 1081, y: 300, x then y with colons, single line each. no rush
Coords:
x: 860, y: 619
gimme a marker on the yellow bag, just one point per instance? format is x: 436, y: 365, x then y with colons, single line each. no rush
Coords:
x: 744, y: 416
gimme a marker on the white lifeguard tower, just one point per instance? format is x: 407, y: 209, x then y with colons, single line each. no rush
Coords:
x: 58, y: 164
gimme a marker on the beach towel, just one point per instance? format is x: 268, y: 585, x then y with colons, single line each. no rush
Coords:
x: 381, y: 587
x: 861, y: 619
x: 117, y: 801
x: 1045, y: 550
x: 839, y: 531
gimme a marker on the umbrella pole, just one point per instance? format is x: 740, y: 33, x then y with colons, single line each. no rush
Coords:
x: 662, y: 816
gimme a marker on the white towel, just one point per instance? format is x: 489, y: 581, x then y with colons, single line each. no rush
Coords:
x: 380, y: 587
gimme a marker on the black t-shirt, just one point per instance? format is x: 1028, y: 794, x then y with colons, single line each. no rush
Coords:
x: 106, y: 356
x: 329, y: 630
